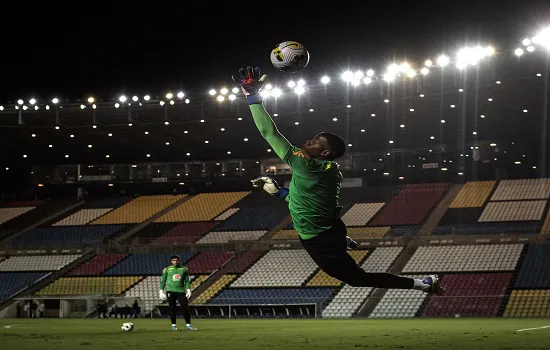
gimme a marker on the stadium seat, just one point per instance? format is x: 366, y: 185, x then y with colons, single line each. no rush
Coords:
x: 138, y: 210
x: 368, y: 232
x: 89, y: 285
x: 184, y: 233
x: 13, y: 282
x: 278, y: 268
x: 273, y: 296
x: 459, y: 258
x: 6, y: 214
x: 510, y: 190
x: 243, y: 261
x: 37, y: 262
x: 227, y: 214
x: 346, y: 302
x: 107, y: 202
x: 457, y: 216
x: 226, y: 236
x: 534, y: 271
x: 371, y: 194
x: 65, y: 236
x: 321, y: 279
x: 40, y: 211
x: 411, y: 206
x: 513, y: 211
x: 400, y: 303
x: 285, y: 234
x: 97, y: 265
x: 361, y: 213
x: 381, y: 259
x: 202, y: 207
x: 207, y: 262
x: 470, y: 295
x: 262, y: 218
x: 214, y: 289
x: 473, y: 194
x: 528, y: 303
x: 82, y: 217
x: 144, y: 264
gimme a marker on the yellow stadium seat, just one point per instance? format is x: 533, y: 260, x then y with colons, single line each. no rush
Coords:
x: 89, y: 285
x: 203, y: 207
x: 473, y: 194
x: 286, y: 234
x: 528, y: 303
x: 137, y: 210
x: 214, y: 289
x: 367, y: 232
x: 321, y: 279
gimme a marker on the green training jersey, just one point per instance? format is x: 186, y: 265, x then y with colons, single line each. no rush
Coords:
x: 175, y: 279
x: 315, y: 186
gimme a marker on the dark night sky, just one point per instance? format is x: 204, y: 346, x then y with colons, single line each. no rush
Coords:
x: 99, y: 50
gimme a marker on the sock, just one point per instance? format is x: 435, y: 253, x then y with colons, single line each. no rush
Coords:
x: 418, y: 284
x: 189, y: 325
x: 173, y: 325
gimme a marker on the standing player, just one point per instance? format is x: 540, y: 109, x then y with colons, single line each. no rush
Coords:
x: 176, y: 280
x: 313, y: 197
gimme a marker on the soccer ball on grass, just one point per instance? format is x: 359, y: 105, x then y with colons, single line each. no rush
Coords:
x: 127, y: 326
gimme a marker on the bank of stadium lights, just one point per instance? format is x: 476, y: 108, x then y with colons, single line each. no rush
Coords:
x: 325, y: 80
x: 162, y: 103
x: 122, y: 98
x: 224, y: 91
x: 32, y: 101
x: 180, y: 95
x: 299, y: 90
x: 169, y: 96
x: 443, y: 61
x: 519, y: 52
x: 220, y: 98
x: 424, y: 71
x: 117, y: 105
x: 172, y: 102
x: 146, y: 97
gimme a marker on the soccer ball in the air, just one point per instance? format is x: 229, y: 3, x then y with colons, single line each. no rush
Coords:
x: 289, y: 56
x: 127, y: 326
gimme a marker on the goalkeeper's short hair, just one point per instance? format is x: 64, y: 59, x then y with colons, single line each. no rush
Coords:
x: 336, y: 144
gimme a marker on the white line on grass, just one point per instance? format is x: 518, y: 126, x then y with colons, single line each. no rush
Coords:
x: 532, y: 329
x: 11, y: 326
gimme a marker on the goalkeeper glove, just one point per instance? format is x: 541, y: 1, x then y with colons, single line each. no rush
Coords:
x: 270, y: 186
x: 162, y: 295
x: 188, y: 294
x: 251, y: 83
x: 351, y: 243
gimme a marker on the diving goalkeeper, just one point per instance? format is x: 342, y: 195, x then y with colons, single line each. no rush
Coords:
x: 313, y: 197
x: 175, y: 278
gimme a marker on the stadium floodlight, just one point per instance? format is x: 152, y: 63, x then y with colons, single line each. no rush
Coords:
x: 442, y: 61
x: 57, y: 127
x: 347, y: 76
x: 531, y: 48
x: 428, y: 63
x: 411, y: 73
x: 276, y: 92
x: 526, y: 42
x: 20, y: 102
x: 265, y: 93
x: 187, y: 101
x: 355, y: 82
x: 220, y: 98
x: 235, y: 90
x: 325, y: 80
x: 232, y: 97
x: 161, y: 103
x: 1, y: 108
x: 367, y: 80
x: 404, y: 67
x: 82, y: 106
x: 424, y: 71
x: 32, y: 101
x: 299, y: 90
x: 117, y: 105
x: 386, y: 101
x: 55, y: 100
x: 543, y: 38
x: 291, y: 84
x: 489, y: 51
x: 169, y: 96
x: 212, y: 92
x: 135, y: 98
x: 268, y: 86
x: 25, y: 108
x: 518, y: 52
x: 393, y: 69
x: 389, y: 77
x: 94, y: 106
x: 180, y: 95
x: 36, y: 108
x: 146, y: 97
x: 47, y: 107
x: 370, y: 73
x: 301, y: 82
x: 224, y: 91
x: 442, y: 121
x: 172, y: 102
x: 358, y: 75
x: 91, y: 100
x: 122, y: 98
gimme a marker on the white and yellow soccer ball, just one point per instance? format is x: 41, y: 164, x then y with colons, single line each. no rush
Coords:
x: 127, y: 326
x: 289, y: 56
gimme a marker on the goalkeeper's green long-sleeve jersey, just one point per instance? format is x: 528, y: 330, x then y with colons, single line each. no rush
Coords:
x: 175, y: 279
x: 314, y: 191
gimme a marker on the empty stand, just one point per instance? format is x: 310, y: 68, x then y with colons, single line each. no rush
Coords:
x: 262, y: 218
x: 152, y: 231
x: 36, y: 215
x: 285, y: 234
x: 184, y: 233
x: 6, y: 214
x: 37, y: 262
x: 144, y: 264
x: 274, y: 296
x: 509, y: 190
x: 322, y: 279
x: 528, y: 303
x: 534, y: 271
x: 486, y: 228
x: 456, y: 216
x: 490, y: 257
x: 226, y: 214
x: 367, y: 194
x: 97, y: 265
x: 11, y: 283
x: 65, y: 236
x: 411, y: 205
x: 346, y: 302
x: 214, y: 289
x: 470, y: 295
x: 400, y: 303
x: 107, y: 202
x: 381, y: 259
x: 89, y: 285
x: 226, y: 236
x: 473, y: 194
x: 244, y: 261
x: 202, y: 207
x: 208, y: 262
x: 82, y: 217
x: 368, y: 232
x: 513, y: 211
x: 258, y: 198
x: 278, y: 268
x: 361, y: 213
x: 137, y: 210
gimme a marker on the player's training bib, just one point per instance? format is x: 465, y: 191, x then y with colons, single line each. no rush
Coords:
x: 176, y: 277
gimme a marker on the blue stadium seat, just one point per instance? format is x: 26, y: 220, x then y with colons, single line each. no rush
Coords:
x: 65, y: 236
x: 145, y: 264
x: 12, y: 282
x: 274, y: 296
x: 401, y: 231
x: 534, y: 271
x: 263, y: 218
x: 493, y: 228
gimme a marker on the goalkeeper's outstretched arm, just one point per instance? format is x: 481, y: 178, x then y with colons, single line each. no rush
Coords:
x: 269, y: 131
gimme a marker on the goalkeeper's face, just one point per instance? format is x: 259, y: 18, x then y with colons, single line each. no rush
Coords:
x: 175, y: 262
x: 317, y: 147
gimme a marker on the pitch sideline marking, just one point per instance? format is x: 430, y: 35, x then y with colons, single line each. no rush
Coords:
x: 532, y: 329
x: 11, y: 325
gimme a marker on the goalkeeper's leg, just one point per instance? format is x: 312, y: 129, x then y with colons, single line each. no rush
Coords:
x: 184, y: 303
x: 172, y: 300
x: 329, y: 251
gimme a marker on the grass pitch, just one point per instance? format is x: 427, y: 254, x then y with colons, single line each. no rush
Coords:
x: 418, y: 333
